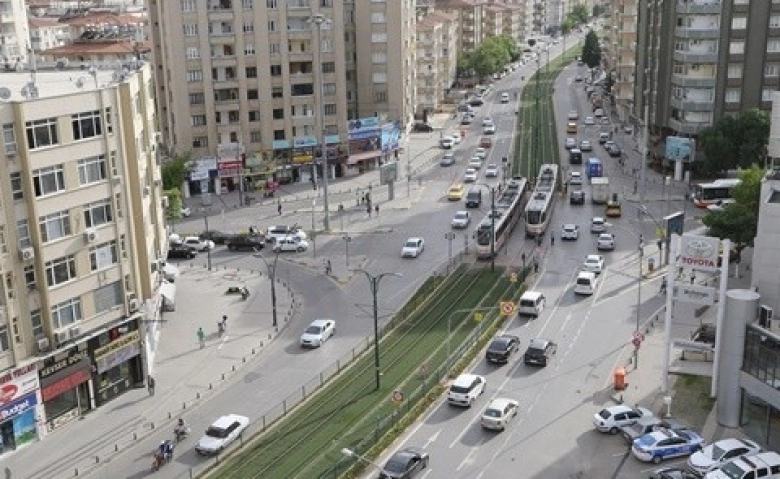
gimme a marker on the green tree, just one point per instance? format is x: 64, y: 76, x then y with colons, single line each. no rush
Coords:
x: 599, y: 10
x: 579, y: 14
x: 591, y: 51
x: 738, y: 221
x: 736, y: 142
x: 508, y: 44
x: 174, y: 171
x: 567, y: 26
x: 465, y: 65
x: 609, y: 82
x: 491, y: 56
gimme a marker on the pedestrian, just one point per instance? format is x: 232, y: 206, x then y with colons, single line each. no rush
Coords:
x: 536, y: 266
x: 376, y: 210
x: 279, y: 207
x: 224, y: 323
x: 150, y: 385
x: 693, y: 278
x: 328, y: 268
x: 201, y: 338
x: 368, y: 210
x: 538, y: 239
x: 251, y: 230
x: 552, y: 238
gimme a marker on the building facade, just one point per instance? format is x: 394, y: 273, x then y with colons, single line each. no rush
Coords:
x: 81, y: 237
x: 14, y: 36
x: 437, y: 59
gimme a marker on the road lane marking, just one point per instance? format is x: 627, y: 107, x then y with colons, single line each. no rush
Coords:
x: 432, y: 439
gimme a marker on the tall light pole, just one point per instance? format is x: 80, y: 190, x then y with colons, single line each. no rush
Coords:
x: 206, y: 221
x: 271, y: 267
x: 373, y: 282
x: 318, y: 20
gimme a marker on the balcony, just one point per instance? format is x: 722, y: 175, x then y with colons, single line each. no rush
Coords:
x: 697, y: 33
x: 687, y: 128
x: 696, y: 57
x: 297, y: 4
x: 224, y: 61
x: 222, y: 39
x: 692, y: 105
x: 694, y: 82
x: 692, y: 8
x: 221, y: 14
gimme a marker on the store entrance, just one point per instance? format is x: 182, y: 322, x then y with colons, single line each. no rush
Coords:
x: 7, y: 437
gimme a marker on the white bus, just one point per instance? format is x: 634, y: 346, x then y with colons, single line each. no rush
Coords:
x: 716, y: 193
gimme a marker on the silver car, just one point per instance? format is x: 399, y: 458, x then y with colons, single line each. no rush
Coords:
x: 461, y: 219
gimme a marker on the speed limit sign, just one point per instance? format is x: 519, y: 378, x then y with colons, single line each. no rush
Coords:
x: 507, y: 308
x: 398, y: 396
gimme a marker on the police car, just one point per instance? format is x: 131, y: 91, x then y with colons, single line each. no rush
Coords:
x: 666, y: 444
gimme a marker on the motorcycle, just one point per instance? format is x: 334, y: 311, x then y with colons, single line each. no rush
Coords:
x: 162, y: 457
x: 181, y: 433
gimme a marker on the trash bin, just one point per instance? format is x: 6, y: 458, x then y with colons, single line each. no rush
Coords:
x: 620, y: 379
x: 650, y: 264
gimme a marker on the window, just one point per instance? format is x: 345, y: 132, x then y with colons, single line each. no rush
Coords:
x: 249, y: 50
x: 60, y: 270
x: 200, y: 142
x: 194, y: 75
x: 3, y: 245
x: 766, y: 94
x: 735, y: 71
x: 379, y: 57
x: 29, y: 276
x: 197, y: 98
x: 246, y: 4
x: 278, y: 113
x: 54, y: 226
x: 326, y: 3
x: 66, y: 313
x: 273, y: 48
x: 733, y: 95
x: 328, y: 89
x: 252, y: 94
x: 254, y: 115
x: 379, y: 38
x: 109, y: 125
x: 48, y: 180
x: 380, y: 97
x: 251, y: 72
x: 271, y: 4
x: 198, y: 120
x: 86, y: 125
x: 271, y: 25
x: 328, y: 67
x: 330, y: 109
x: 193, y: 53
x: 4, y: 346
x: 771, y: 69
x: 255, y: 137
x: 277, y: 92
x: 92, y: 170
x: 737, y: 47
x: 103, y: 256
x: 249, y: 26
x: 326, y: 45
x: 379, y: 77
x: 276, y: 70
x: 16, y: 186
x: 9, y: 138
x: 773, y: 46
x: 188, y: 5
x: 37, y: 323
x: 108, y: 296
x: 190, y: 29
x: 23, y: 232
x: 377, y: 17
x: 279, y: 135
x: 41, y: 133
x: 739, y: 23
x: 98, y: 213
x: 774, y: 21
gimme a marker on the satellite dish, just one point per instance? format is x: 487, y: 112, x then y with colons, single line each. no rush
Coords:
x: 80, y: 82
x: 5, y: 93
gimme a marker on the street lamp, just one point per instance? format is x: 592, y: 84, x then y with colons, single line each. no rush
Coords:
x: 271, y: 267
x: 637, y: 332
x: 373, y: 282
x: 318, y: 20
x: 350, y: 453
x: 205, y: 212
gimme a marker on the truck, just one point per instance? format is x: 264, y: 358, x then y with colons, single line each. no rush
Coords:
x: 594, y: 168
x: 599, y: 187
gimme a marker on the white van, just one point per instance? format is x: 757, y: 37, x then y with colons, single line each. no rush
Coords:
x: 531, y: 304
x: 765, y: 465
x: 586, y: 283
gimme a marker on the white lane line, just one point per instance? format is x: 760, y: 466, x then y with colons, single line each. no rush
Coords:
x: 466, y: 428
x: 432, y: 439
x: 222, y: 343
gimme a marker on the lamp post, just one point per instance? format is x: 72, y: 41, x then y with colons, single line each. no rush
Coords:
x: 313, y: 231
x: 373, y: 282
x: 449, y: 237
x: 350, y: 453
x: 205, y: 212
x: 318, y: 20
x: 271, y: 267
x: 347, y: 239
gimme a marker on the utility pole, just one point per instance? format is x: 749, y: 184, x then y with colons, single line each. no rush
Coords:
x: 373, y: 282
x: 318, y: 20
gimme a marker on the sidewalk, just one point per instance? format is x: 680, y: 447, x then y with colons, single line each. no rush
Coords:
x: 185, y: 374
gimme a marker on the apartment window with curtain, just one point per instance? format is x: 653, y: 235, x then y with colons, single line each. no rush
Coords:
x: 766, y: 94
x: 773, y: 46
x: 774, y: 21
x: 733, y: 95
x: 739, y: 23
x: 735, y: 71
x: 737, y: 47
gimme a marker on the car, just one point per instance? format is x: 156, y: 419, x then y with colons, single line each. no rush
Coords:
x: 181, y: 250
x: 278, y: 232
x: 570, y: 143
x: 606, y: 242
x: 491, y: 171
x: 456, y: 138
x: 589, y: 120
x: 666, y: 444
x: 604, y: 121
x: 422, y: 127
x: 571, y: 128
x: 576, y: 197
x: 198, y: 244
x: 476, y: 100
x: 578, y: 78
x: 598, y: 225
x: 646, y: 425
x: 470, y: 176
x: 405, y: 464
x: 719, y: 453
x: 487, y: 120
x: 291, y: 243
x: 412, y: 248
x: 485, y: 142
x: 319, y: 331
x: 218, y: 237
x: 246, y: 242
x: 609, y: 144
x: 466, y: 389
x: 598, y: 113
x: 593, y: 263
x: 461, y: 220
x: 573, y: 115
x: 446, y: 142
x: 498, y: 413
x: 585, y: 145
x: 481, y: 153
x: 570, y: 232
x: 611, y: 419
x: 531, y: 303
x: 613, y: 150
x: 466, y: 119
x: 456, y: 192
x: 221, y: 434
x: 505, y: 97
x: 489, y: 129
x: 539, y: 351
x: 575, y: 178
x: 475, y: 162
x: 672, y: 473
x: 447, y: 159
x: 501, y: 348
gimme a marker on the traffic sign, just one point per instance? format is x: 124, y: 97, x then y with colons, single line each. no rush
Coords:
x: 513, y: 278
x: 398, y: 396
x: 477, y: 317
x: 507, y: 308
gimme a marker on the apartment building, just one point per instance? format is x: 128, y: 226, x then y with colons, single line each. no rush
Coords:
x: 46, y: 33
x: 14, y: 37
x: 469, y: 15
x: 437, y: 59
x: 620, y: 55
x: 81, y: 236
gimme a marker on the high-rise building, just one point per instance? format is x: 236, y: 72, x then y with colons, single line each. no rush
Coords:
x: 437, y: 59
x: 14, y: 36
x: 81, y: 235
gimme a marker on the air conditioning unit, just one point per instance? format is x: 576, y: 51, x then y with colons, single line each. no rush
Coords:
x: 157, y: 137
x: 11, y: 155
x: 27, y: 253
x: 75, y: 332
x: 133, y: 305
x: 43, y: 344
x: 117, y: 179
x: 147, y: 190
x: 157, y: 182
x: 165, y: 202
x: 61, y: 337
x: 765, y: 315
x: 90, y: 235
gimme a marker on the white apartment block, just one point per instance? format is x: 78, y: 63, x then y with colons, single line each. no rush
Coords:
x: 14, y: 34
x: 437, y: 59
x: 47, y: 33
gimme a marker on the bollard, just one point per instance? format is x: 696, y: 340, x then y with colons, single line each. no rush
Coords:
x: 233, y: 367
x: 211, y: 386
x: 253, y: 351
x: 97, y: 459
x: 197, y: 395
x: 223, y: 376
x: 152, y: 425
x: 135, y: 436
x: 76, y: 472
x: 270, y: 337
x: 261, y: 344
x: 169, y: 414
x: 116, y: 447
x: 243, y: 360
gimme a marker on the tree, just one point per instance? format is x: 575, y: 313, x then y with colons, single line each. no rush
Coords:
x: 591, y: 51
x: 599, y: 10
x: 465, y: 64
x: 736, y: 142
x: 174, y: 172
x: 567, y: 26
x: 579, y: 14
x: 738, y: 221
x: 492, y: 55
x: 609, y: 82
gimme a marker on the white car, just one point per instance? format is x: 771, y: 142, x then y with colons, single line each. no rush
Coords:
x: 570, y: 232
x: 611, y: 419
x: 606, y: 242
x: 720, y: 452
x: 598, y: 113
x: 470, y: 176
x: 570, y: 143
x: 319, y: 331
x: 491, y: 171
x: 489, y: 129
x: 198, y: 244
x: 455, y: 138
x: 575, y: 178
x: 466, y: 389
x: 461, y: 219
x: 585, y: 145
x: 573, y: 115
x: 481, y: 152
x: 593, y: 263
x: 291, y: 243
x: 412, y: 248
x: 487, y: 121
x: 276, y: 233
x: 475, y: 162
x: 446, y: 142
x: 498, y: 413
x: 598, y: 225
x: 589, y: 120
x: 221, y: 434
x: 505, y: 97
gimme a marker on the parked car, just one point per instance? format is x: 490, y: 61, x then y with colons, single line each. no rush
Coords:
x: 646, y: 425
x: 405, y: 464
x: 476, y: 100
x: 221, y: 434
x: 611, y: 419
x: 501, y: 348
x: 466, y: 389
x: 673, y: 473
x: 498, y: 413
x: 570, y: 232
x: 413, y: 248
x: 593, y: 263
x: 666, y: 444
x: 291, y: 244
x: 246, y: 242
x: 422, y: 127
x: 606, y: 242
x: 218, y: 237
x: 185, y: 212
x: 198, y: 243
x: 461, y: 220
x: 319, y: 331
x: 181, y: 250
x: 719, y: 453
x: 539, y: 352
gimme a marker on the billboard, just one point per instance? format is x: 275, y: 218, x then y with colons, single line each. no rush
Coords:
x: 680, y: 149
x: 699, y: 252
x: 363, y: 128
x: 391, y: 135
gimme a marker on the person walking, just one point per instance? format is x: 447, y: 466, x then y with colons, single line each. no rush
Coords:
x: 279, y: 207
x: 150, y: 385
x: 328, y: 268
x: 201, y: 338
x: 223, y: 324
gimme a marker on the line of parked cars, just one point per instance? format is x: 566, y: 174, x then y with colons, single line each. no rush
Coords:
x: 280, y: 238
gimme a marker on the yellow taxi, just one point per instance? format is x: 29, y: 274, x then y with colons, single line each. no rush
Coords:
x: 456, y: 192
x: 571, y: 128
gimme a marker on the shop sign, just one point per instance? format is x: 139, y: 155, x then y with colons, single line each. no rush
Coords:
x: 694, y: 294
x: 228, y: 151
x: 699, y: 252
x: 302, y: 158
x: 199, y: 169
x: 118, y: 351
x: 230, y: 168
x: 17, y: 383
x: 18, y: 407
x: 74, y: 358
x: 391, y: 135
x: 65, y: 384
x: 305, y: 142
x: 361, y: 128
x: 117, y: 344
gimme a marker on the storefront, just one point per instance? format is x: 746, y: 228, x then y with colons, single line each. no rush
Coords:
x: 295, y: 161
x: 365, y: 144
x: 65, y: 386
x: 18, y: 408
x: 118, y: 364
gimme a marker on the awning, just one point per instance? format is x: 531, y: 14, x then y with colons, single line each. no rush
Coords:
x: 363, y: 156
x: 168, y: 291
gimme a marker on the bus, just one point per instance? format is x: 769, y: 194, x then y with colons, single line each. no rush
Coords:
x: 502, y: 220
x: 539, y: 211
x: 717, y: 192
